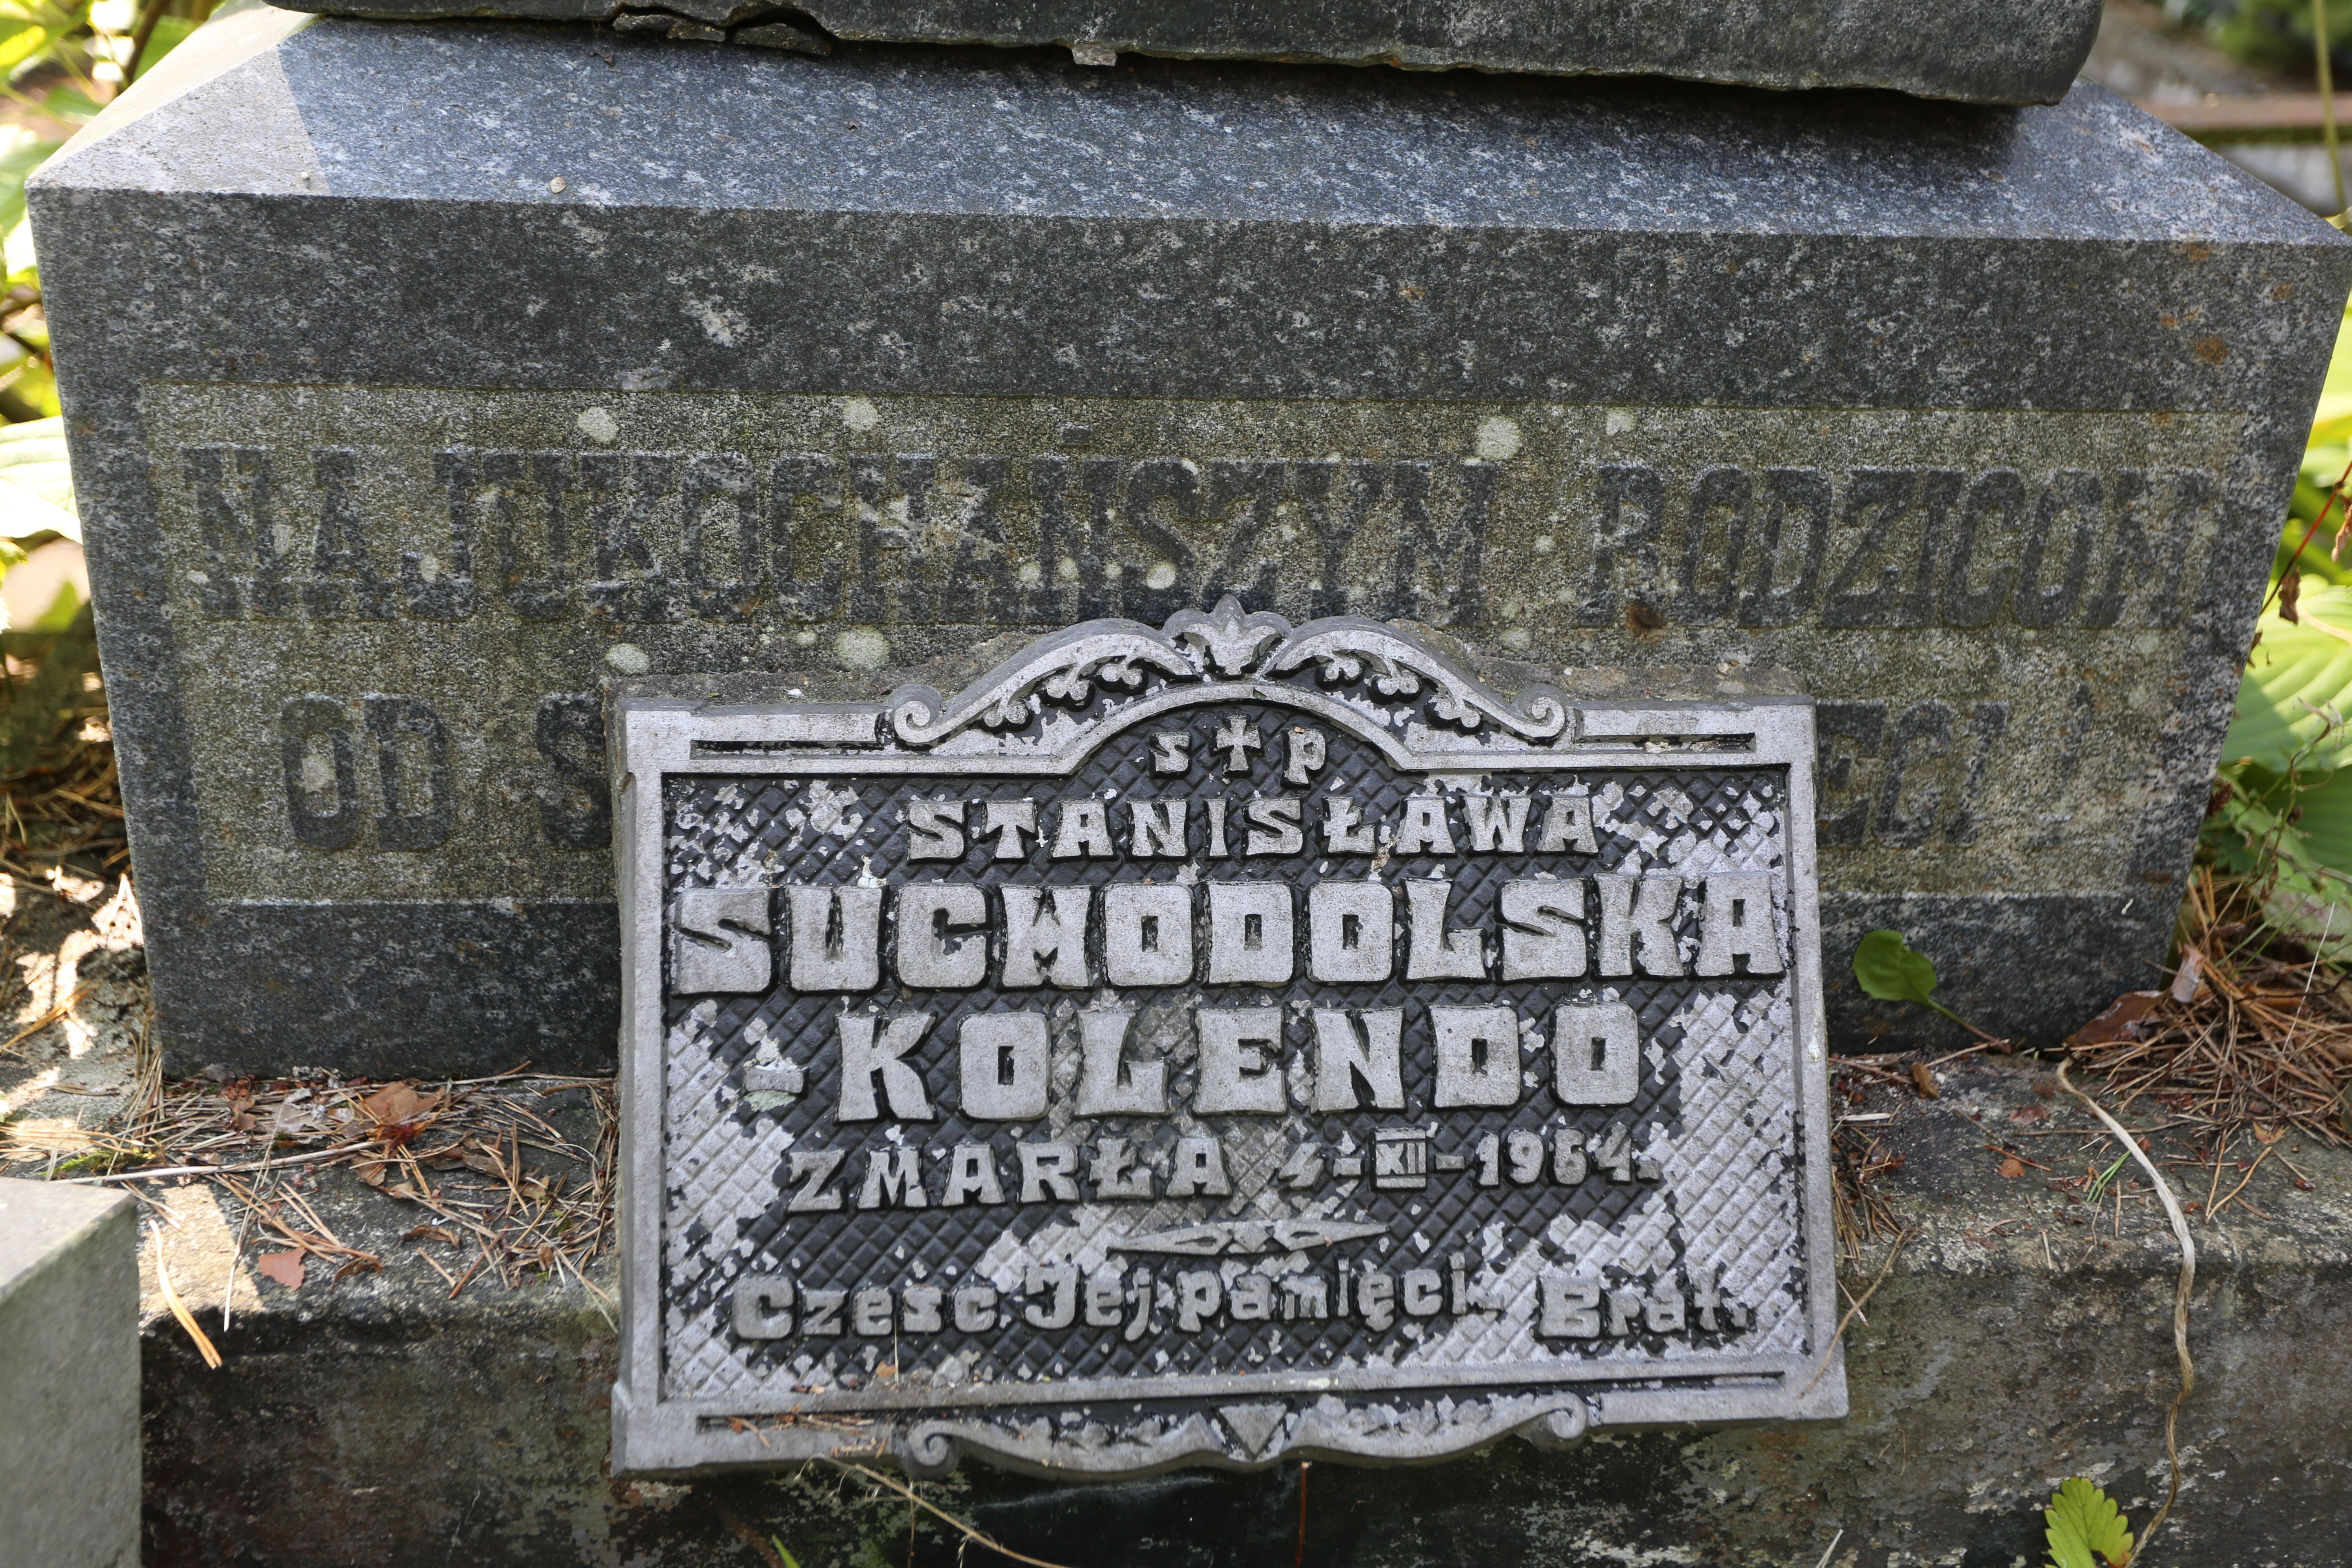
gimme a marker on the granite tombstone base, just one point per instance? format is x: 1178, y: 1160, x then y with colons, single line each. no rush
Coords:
x: 69, y: 1377
x: 422, y: 377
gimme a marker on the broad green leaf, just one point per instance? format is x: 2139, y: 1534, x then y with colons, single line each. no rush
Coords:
x: 2246, y: 817
x: 2332, y: 420
x: 38, y: 388
x: 2085, y: 1529
x: 2327, y: 456
x: 2320, y: 923
x: 37, y: 494
x: 58, y: 617
x: 21, y: 152
x: 170, y: 32
x: 2300, y: 672
x: 69, y: 104
x: 2327, y: 431
x: 16, y: 254
x: 2325, y: 820
x: 2317, y: 559
x: 23, y: 45
x: 1890, y: 971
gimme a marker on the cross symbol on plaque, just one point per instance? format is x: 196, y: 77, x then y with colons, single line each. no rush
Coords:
x: 1237, y: 738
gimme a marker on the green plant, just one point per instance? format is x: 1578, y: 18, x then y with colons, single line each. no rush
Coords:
x: 59, y: 63
x: 2086, y: 1530
x: 2280, y: 815
x: 1886, y: 967
x: 2281, y: 34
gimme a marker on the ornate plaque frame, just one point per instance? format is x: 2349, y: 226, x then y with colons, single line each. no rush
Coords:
x: 1329, y: 1253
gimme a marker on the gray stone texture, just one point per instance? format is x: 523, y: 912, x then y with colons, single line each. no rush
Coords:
x: 1980, y: 52
x: 1983, y: 417
x: 378, y: 1421
x: 69, y: 1377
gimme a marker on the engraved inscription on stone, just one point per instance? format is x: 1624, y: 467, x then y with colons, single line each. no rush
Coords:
x: 394, y: 608
x: 1214, y: 1043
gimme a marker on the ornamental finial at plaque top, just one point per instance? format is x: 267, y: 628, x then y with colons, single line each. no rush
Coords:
x: 1226, y: 1043
x: 1348, y: 653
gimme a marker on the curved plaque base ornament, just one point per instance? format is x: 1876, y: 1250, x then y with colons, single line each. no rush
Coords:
x: 1250, y: 1436
x: 1224, y: 1043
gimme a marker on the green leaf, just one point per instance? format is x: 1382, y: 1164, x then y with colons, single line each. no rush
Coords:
x: 35, y: 388
x: 2325, y: 820
x: 21, y: 41
x: 21, y: 152
x: 36, y: 493
x: 2085, y: 1528
x: 2297, y: 846
x: 16, y: 253
x: 64, y: 605
x: 1890, y: 971
x: 74, y: 106
x: 2248, y: 836
x: 790, y: 1561
x: 171, y: 32
x: 2335, y: 394
x: 2315, y: 561
x: 2299, y: 675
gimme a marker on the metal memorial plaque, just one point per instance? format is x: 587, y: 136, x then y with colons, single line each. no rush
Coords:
x: 1224, y: 1042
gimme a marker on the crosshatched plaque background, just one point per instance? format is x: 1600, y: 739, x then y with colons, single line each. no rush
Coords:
x: 1715, y: 1207
x: 1713, y: 1108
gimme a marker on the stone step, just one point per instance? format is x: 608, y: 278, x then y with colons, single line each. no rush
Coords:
x: 69, y: 1387
x: 2016, y: 1339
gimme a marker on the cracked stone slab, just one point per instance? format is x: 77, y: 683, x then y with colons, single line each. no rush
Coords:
x: 1980, y: 52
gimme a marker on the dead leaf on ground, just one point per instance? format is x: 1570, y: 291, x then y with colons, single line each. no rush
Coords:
x: 430, y: 1233
x: 289, y: 1119
x: 399, y: 1102
x: 2187, y: 977
x: 2116, y: 1023
x: 286, y: 1267
x: 2012, y: 1168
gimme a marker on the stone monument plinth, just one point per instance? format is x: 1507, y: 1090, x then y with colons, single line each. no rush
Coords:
x: 422, y: 377
x: 68, y: 1376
